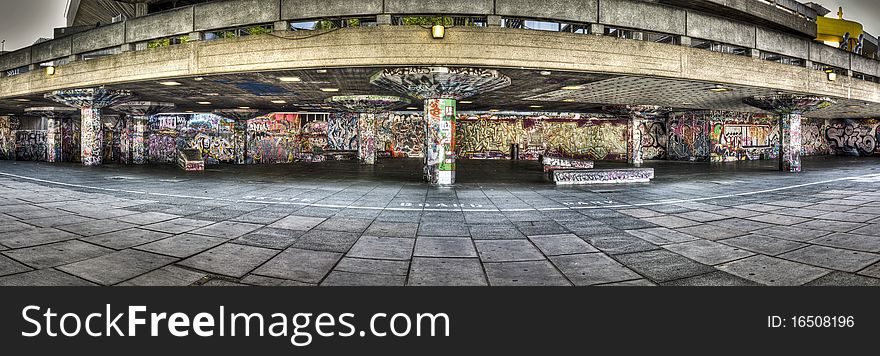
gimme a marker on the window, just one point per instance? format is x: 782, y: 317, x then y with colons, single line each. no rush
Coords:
x: 830, y: 69
x: 545, y: 25
x: 168, y: 41
x: 99, y: 53
x: 720, y: 47
x: 238, y: 32
x: 866, y: 77
x: 329, y: 24
x: 439, y: 20
x: 778, y: 58
x: 640, y: 35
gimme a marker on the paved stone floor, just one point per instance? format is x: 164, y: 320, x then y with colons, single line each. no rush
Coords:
x: 338, y: 223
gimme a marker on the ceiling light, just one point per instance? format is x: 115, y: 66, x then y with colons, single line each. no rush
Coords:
x: 190, y: 111
x: 322, y: 71
x: 198, y: 79
x: 545, y: 72
x: 536, y: 106
x: 204, y: 103
x: 290, y: 79
x: 212, y: 94
x: 568, y: 100
x: 854, y: 106
x: 465, y: 102
x: 718, y: 88
x: 327, y: 107
x: 832, y: 76
x: 23, y: 100
x: 438, y: 32
x: 244, y: 107
x: 330, y: 90
x: 412, y: 108
x: 572, y: 87
x: 50, y: 70
x: 494, y: 110
x: 279, y: 102
x: 170, y: 83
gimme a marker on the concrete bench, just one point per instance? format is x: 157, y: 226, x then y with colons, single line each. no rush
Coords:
x: 552, y: 163
x: 603, y: 176
x: 191, y: 160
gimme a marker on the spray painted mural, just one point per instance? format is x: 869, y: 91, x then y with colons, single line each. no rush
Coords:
x: 30, y: 145
x: 743, y: 137
x: 92, y: 137
x: 688, y: 137
x: 164, y: 130
x: 342, y: 132
x: 813, y: 134
x: 313, y: 140
x: 654, y: 138
x: 70, y: 140
x: 117, y: 140
x: 402, y: 135
x: 273, y: 139
x: 490, y: 136
x: 8, y: 126
x: 853, y: 137
x: 212, y: 135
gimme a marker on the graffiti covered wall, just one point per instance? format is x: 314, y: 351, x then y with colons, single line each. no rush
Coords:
x: 654, y: 139
x: 30, y: 145
x: 342, y: 132
x: 70, y: 140
x: 212, y: 135
x: 402, y: 135
x: 688, y: 137
x: 813, y: 137
x: 8, y: 126
x: 273, y: 139
x: 117, y: 140
x: 742, y: 137
x: 853, y: 137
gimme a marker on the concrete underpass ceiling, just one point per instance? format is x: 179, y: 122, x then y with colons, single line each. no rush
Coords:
x: 531, y: 91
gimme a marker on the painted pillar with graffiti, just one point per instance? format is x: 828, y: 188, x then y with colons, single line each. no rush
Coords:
x: 790, y: 142
x: 789, y: 108
x: 440, y: 133
x: 53, y: 140
x: 240, y: 119
x: 138, y: 119
x: 635, y: 143
x: 368, y: 132
x: 440, y: 88
x: 90, y: 102
x: 639, y: 116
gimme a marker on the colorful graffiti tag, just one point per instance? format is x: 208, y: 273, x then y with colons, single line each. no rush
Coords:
x: 117, y: 140
x: 791, y: 143
x: 273, y: 139
x: 342, y: 132
x: 30, y: 145
x: 813, y: 136
x: 654, y: 137
x: 402, y: 135
x: 70, y: 140
x: 688, y: 137
x: 92, y: 137
x: 164, y: 130
x: 440, y: 139
x: 8, y: 126
x: 853, y: 138
x: 367, y: 142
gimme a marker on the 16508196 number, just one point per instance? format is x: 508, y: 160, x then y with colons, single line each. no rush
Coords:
x: 826, y: 321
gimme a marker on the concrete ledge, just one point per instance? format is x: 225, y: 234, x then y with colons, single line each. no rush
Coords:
x: 603, y: 176
x: 552, y: 163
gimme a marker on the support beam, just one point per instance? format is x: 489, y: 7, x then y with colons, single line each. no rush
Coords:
x: 789, y: 108
x: 90, y: 102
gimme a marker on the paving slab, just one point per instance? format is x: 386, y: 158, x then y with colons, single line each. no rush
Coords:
x: 56, y: 254
x: 563, y: 244
x: 97, y: 227
x: 300, y: 265
x: 495, y: 232
x: 120, y: 240
x: 792, y: 233
x: 387, y: 248
x: 773, y: 271
x: 341, y: 278
x: 527, y: 273
x: 34, y: 237
x: 345, y: 224
x: 844, y: 279
x: 833, y: 258
x: 256, y: 280
x: 392, y: 229
x: 427, y: 271
x: 296, y: 222
x: 507, y: 251
x: 43, y: 278
x: 850, y: 241
x: 592, y: 268
x: 226, y: 229
x: 182, y: 246
x: 763, y: 244
x: 268, y: 237
x: 231, y: 260
x: 9, y: 266
x: 322, y: 240
x: 168, y: 276
x: 662, y: 265
x: 177, y: 226
x: 712, y: 279
x: 708, y: 252
x: 661, y: 235
x: 443, y: 228
x: 117, y: 267
x: 620, y: 243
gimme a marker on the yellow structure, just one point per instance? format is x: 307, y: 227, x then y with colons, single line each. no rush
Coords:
x: 831, y: 30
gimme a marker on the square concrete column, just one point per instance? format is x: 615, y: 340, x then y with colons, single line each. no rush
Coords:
x: 634, y: 142
x: 240, y: 141
x: 138, y: 148
x: 790, y: 143
x: 440, y: 141
x: 125, y: 142
x: 53, y: 140
x: 597, y: 29
x: 493, y: 20
x: 383, y: 19
x: 91, y: 136
x: 368, y: 131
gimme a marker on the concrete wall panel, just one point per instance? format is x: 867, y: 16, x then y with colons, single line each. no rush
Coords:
x: 821, y: 53
x: 309, y: 9
x: 15, y: 59
x: 99, y: 38
x: 719, y: 29
x: 481, y: 7
x: 223, y: 14
x: 782, y: 43
x: 864, y: 65
x: 642, y: 15
x: 569, y: 10
x: 51, y: 50
x: 163, y: 24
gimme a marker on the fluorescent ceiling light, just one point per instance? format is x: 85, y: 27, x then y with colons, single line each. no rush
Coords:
x: 170, y: 83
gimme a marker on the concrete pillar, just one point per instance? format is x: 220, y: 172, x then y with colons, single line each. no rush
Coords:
x: 440, y: 141
x: 196, y: 36
x: 137, y: 122
x: 239, y: 134
x: 53, y: 140
x: 789, y: 108
x: 755, y: 53
x: 634, y: 143
x: 383, y: 19
x: 368, y: 132
x: 597, y: 29
x: 685, y: 41
x: 127, y: 47
x: 90, y: 102
x: 493, y: 20
x: 790, y: 142
x: 281, y: 26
